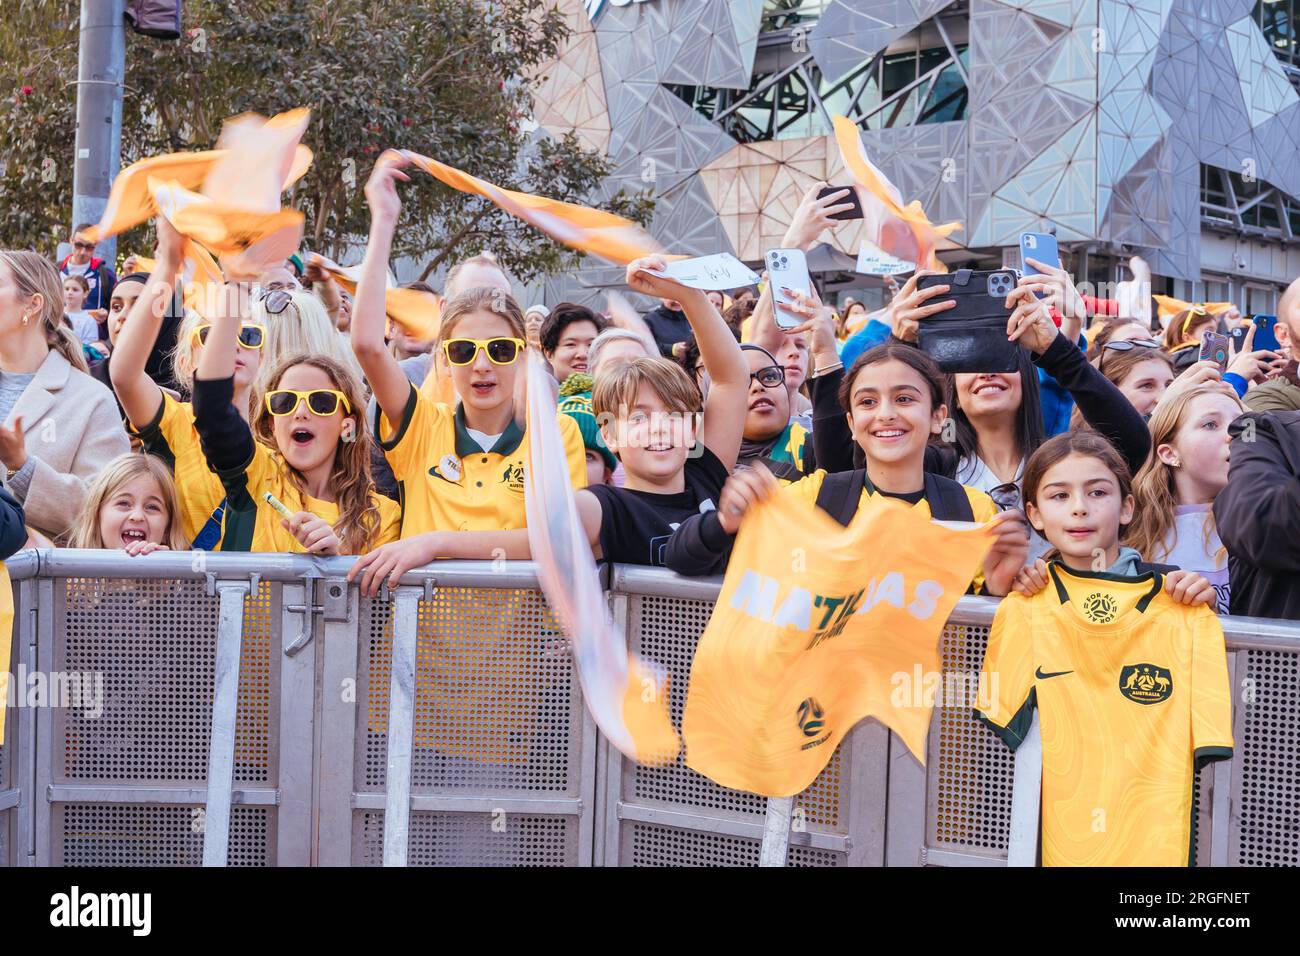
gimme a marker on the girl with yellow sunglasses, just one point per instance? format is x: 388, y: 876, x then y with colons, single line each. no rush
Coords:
x: 461, y: 467
x: 311, y: 454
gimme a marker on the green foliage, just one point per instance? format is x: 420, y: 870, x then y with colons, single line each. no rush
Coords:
x: 447, y: 78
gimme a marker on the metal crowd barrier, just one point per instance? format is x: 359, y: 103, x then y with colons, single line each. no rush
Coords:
x: 255, y: 710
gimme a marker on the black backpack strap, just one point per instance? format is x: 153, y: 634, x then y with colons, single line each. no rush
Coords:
x: 840, y: 493
x: 948, y: 501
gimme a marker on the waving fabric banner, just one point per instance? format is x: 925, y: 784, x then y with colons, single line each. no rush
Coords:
x: 901, y: 230
x: 130, y: 201
x: 627, y: 697
x: 806, y: 641
x: 595, y: 231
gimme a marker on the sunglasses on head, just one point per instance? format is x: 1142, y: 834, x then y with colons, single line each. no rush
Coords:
x: 770, y: 376
x: 501, y: 351
x: 320, y: 401
x: 1128, y: 345
x: 275, y: 301
x: 250, y: 336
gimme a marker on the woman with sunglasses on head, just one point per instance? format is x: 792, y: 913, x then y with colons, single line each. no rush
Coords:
x: 311, y: 455
x: 1114, y: 329
x: 165, y: 424
x: 1138, y: 368
x: 460, y: 468
x: 1182, y: 339
x: 296, y: 322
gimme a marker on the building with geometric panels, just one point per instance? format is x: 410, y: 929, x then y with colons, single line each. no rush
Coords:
x: 1169, y: 128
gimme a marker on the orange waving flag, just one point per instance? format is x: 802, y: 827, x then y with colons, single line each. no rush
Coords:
x: 202, y: 278
x: 419, y: 313
x: 803, y: 645
x: 600, y: 233
x: 130, y: 202
x: 246, y: 242
x: 1167, y: 307
x: 900, y: 230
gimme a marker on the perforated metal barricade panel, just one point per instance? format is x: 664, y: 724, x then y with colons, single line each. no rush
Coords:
x: 649, y: 844
x: 148, y: 648
x: 473, y: 839
x: 666, y: 631
x: 1265, y: 827
x: 968, y: 807
x: 122, y: 834
x: 497, y: 714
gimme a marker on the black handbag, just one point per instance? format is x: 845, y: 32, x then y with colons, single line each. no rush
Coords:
x: 971, y: 336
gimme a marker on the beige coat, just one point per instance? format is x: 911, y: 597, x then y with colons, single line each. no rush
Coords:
x: 73, y: 429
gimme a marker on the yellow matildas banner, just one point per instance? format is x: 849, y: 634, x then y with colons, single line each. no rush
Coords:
x: 815, y: 627
x: 6, y: 642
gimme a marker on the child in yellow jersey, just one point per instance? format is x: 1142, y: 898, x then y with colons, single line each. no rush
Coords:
x: 312, y: 455
x: 1078, y: 494
x: 165, y: 425
x: 131, y: 505
x: 458, y: 468
x: 893, y: 398
x: 1124, y: 661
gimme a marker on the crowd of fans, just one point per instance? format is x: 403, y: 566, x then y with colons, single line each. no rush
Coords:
x: 295, y: 417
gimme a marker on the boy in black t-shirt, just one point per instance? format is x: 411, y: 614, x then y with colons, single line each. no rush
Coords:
x: 648, y: 412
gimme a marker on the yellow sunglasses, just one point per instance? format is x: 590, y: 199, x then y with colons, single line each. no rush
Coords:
x: 320, y: 401
x: 251, y: 335
x: 501, y: 351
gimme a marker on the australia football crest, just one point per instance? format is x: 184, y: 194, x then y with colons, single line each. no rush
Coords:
x: 1100, y: 607
x: 1145, y: 683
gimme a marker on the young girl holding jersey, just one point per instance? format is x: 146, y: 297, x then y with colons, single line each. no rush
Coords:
x: 893, y: 400
x: 1079, y: 495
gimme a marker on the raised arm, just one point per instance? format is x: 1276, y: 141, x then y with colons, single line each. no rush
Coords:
x: 387, y: 380
x: 226, y: 438
x: 139, y: 394
x: 728, y: 401
x: 813, y: 217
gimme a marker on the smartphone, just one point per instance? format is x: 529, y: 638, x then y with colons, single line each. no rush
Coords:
x: 1265, y: 333
x: 1238, y: 338
x: 1042, y: 247
x: 787, y: 268
x: 1214, y: 348
x: 855, y: 212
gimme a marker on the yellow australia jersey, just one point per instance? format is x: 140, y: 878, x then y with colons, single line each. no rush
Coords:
x: 448, y: 483
x: 982, y: 507
x: 1131, y: 689
x: 171, y: 437
x: 252, y: 524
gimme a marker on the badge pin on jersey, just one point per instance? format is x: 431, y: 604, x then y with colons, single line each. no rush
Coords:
x: 450, y: 467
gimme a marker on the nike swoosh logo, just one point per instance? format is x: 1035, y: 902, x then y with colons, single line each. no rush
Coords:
x: 1041, y: 676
